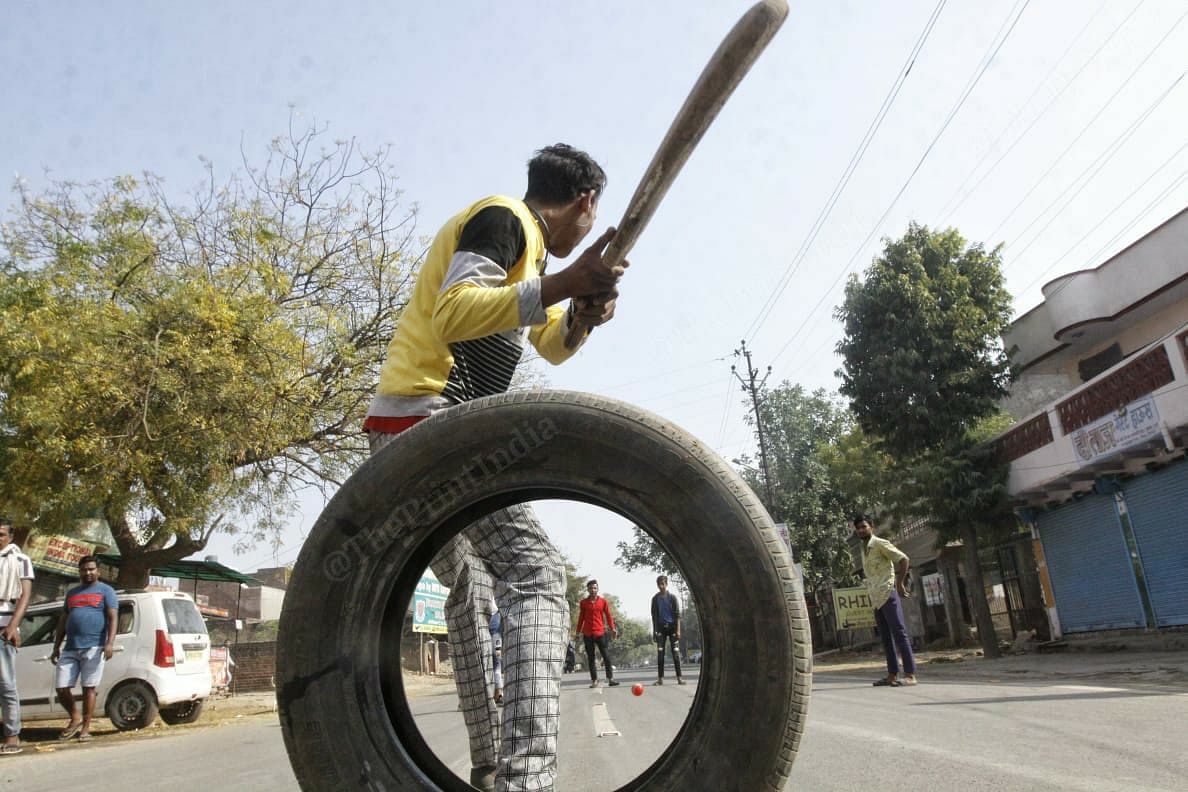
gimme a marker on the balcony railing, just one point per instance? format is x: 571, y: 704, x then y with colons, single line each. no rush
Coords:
x: 1141, y: 376
x: 1025, y: 438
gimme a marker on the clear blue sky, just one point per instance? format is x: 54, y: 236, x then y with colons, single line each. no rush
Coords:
x: 465, y: 91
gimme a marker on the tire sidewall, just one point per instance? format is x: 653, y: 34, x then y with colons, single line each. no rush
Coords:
x: 379, y: 532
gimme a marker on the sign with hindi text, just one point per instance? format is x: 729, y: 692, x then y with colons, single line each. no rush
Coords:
x: 1133, y: 424
x: 853, y: 608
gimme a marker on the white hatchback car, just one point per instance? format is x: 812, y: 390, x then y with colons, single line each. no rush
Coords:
x: 161, y: 662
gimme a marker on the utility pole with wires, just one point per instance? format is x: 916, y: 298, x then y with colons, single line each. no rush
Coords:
x: 750, y: 386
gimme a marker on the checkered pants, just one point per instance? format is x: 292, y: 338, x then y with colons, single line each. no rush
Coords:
x: 509, y: 556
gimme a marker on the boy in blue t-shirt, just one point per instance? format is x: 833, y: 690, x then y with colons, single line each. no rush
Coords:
x: 88, y: 623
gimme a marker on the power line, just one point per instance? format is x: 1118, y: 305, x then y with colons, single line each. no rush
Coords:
x: 1142, y: 213
x: 666, y: 373
x: 678, y: 391
x: 725, y: 410
x: 1094, y: 167
x: 1087, y: 126
x: 1042, y: 113
x: 1094, y: 256
x: 856, y: 158
x: 275, y: 555
x: 985, y: 64
x: 669, y: 406
x: 737, y: 444
x: 830, y: 337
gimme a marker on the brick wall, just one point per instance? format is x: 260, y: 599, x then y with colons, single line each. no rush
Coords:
x: 255, y: 666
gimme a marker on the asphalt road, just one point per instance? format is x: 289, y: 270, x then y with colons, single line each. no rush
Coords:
x: 940, y: 735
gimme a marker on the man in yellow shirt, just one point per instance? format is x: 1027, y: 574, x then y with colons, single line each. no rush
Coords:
x: 482, y: 296
x: 885, y: 568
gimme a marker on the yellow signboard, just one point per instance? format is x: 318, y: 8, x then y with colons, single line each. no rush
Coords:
x: 853, y: 608
x: 55, y: 553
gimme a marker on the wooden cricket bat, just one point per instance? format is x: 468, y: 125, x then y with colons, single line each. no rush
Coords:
x: 725, y: 70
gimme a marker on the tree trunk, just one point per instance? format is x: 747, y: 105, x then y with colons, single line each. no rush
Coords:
x: 953, y: 620
x: 828, y: 621
x: 138, y: 559
x: 133, y: 574
x: 977, y: 592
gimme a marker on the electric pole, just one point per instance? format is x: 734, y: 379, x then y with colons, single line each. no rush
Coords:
x: 749, y: 385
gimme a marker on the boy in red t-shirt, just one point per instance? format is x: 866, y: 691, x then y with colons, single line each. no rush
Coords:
x: 593, y: 621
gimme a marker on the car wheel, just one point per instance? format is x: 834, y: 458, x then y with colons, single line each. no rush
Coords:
x: 133, y: 705
x: 344, y: 715
x: 186, y: 712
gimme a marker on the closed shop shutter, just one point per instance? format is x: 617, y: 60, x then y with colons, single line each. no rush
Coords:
x: 1092, y: 577
x: 49, y: 585
x: 1158, y: 506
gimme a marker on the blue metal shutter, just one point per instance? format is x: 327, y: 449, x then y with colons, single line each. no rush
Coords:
x: 1158, y: 505
x: 1092, y: 577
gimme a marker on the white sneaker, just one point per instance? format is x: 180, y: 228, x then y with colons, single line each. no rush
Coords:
x: 594, y: 684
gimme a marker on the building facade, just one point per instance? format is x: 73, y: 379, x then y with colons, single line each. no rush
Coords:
x: 1097, y: 457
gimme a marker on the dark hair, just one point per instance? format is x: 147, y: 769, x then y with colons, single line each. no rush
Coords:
x: 558, y: 174
x: 87, y: 559
x: 860, y: 517
x: 591, y: 582
x: 5, y: 522
x: 661, y: 579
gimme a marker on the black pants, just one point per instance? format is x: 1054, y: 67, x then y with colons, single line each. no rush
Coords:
x: 603, y: 644
x: 667, y: 633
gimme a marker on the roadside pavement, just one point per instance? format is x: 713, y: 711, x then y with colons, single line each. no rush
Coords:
x: 257, y: 702
x: 41, y: 737
x: 1106, y: 662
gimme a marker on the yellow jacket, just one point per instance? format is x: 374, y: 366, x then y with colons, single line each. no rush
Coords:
x: 463, y: 331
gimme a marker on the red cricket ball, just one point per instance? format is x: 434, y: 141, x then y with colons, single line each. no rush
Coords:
x: 637, y: 690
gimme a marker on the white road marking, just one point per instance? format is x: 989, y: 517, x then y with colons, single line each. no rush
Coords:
x: 603, y: 725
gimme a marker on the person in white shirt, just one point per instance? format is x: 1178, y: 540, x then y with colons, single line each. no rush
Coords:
x: 16, y: 586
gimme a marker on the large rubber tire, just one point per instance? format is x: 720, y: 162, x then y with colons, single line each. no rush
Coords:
x: 345, y: 719
x: 186, y: 712
x: 133, y: 705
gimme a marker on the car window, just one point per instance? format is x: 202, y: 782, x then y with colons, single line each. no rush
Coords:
x: 126, y: 619
x: 182, y: 616
x: 38, y: 628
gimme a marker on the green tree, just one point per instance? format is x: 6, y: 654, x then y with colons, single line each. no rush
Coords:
x: 635, y: 644
x: 181, y: 368
x: 924, y: 369
x: 802, y: 431
x: 861, y: 469
x: 644, y: 552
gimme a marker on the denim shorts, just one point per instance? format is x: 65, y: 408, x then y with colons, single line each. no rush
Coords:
x: 73, y: 663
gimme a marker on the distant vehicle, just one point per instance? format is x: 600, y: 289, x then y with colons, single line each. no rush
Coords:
x: 695, y: 658
x: 161, y: 662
